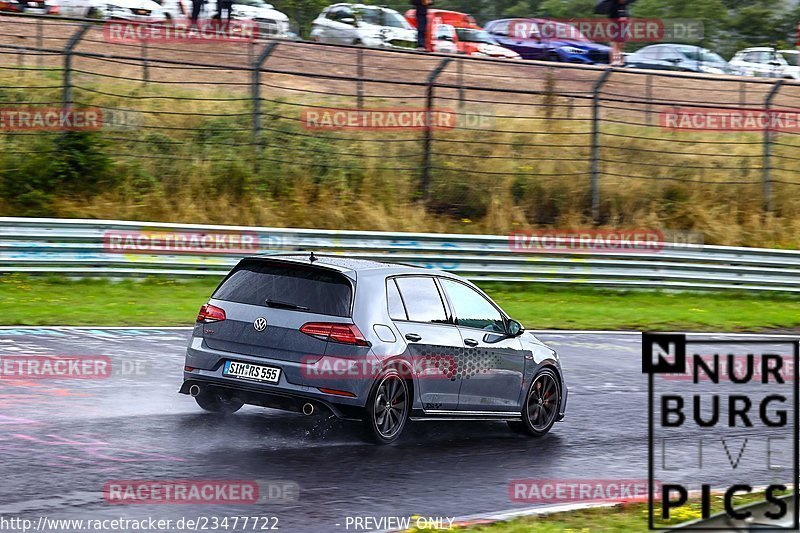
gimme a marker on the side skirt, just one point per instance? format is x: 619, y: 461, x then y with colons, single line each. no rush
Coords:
x: 436, y: 414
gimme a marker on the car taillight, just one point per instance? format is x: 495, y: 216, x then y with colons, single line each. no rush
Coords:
x: 342, y: 333
x: 210, y: 313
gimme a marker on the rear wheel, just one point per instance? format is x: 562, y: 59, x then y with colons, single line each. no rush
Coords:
x: 387, y: 408
x: 218, y: 402
x: 542, y: 403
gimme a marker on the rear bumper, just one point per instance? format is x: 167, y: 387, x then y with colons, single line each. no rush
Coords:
x: 290, y: 393
x: 273, y: 399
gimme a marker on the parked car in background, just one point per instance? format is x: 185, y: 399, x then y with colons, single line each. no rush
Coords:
x: 374, y: 26
x: 764, y: 61
x: 133, y: 10
x: 443, y: 16
x: 469, y: 41
x: 680, y: 57
x: 570, y: 46
x: 269, y: 20
x: 458, y: 33
x: 34, y: 7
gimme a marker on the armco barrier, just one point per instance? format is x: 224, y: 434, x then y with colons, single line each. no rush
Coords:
x: 85, y: 248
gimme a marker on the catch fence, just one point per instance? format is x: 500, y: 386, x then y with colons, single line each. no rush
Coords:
x: 540, y: 137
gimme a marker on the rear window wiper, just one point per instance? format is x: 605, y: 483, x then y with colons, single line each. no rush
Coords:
x: 285, y: 305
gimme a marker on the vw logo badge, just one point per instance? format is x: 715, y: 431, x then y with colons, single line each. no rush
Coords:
x: 260, y: 324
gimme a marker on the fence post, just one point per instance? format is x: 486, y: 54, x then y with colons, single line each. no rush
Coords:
x: 768, y: 134
x: 145, y: 66
x: 360, y: 76
x: 742, y: 94
x: 648, y: 96
x: 71, y: 44
x: 428, y: 140
x: 461, y: 92
x: 256, y: 94
x: 39, y: 43
x: 598, y: 85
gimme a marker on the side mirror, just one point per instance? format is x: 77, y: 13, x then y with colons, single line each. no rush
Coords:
x: 775, y: 63
x: 515, y: 329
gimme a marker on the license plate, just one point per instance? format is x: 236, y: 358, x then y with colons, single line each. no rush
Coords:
x: 269, y: 374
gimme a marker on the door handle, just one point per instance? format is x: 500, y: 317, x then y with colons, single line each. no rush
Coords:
x: 471, y: 342
x: 413, y: 337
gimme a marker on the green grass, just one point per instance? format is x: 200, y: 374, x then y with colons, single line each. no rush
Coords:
x: 622, y: 518
x: 160, y: 302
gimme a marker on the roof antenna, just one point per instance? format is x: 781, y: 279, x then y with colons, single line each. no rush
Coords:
x: 313, y: 258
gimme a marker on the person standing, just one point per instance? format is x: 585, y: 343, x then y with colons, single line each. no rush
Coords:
x: 618, y: 12
x: 421, y: 16
x: 197, y: 6
x: 224, y: 5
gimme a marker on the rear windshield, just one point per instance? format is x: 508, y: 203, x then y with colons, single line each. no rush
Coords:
x: 308, y: 289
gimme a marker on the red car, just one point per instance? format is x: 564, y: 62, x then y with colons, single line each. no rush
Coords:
x: 458, y: 33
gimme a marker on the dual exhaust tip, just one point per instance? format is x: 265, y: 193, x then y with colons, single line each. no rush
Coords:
x: 307, y: 409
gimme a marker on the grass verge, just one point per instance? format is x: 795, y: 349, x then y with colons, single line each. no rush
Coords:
x: 35, y: 301
x: 627, y: 517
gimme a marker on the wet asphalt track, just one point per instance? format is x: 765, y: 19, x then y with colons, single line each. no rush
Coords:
x: 61, y: 441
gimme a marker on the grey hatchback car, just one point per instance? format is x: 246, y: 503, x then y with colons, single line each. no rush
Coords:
x: 374, y: 342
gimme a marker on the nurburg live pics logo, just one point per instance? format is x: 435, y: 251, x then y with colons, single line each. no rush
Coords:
x: 729, y: 428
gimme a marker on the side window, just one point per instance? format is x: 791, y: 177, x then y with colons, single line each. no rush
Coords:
x: 501, y: 28
x: 397, y: 310
x: 650, y: 53
x: 472, y: 310
x: 422, y: 299
x: 666, y: 53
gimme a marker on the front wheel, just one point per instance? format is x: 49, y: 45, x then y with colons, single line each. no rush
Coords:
x: 220, y: 403
x: 387, y: 408
x: 541, y: 405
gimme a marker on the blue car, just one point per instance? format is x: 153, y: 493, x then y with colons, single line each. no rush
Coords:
x: 547, y: 40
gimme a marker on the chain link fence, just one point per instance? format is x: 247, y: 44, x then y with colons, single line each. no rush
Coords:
x: 541, y: 138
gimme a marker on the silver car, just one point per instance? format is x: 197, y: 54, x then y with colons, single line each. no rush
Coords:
x: 374, y: 342
x: 359, y: 24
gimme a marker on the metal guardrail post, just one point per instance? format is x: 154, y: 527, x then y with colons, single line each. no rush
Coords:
x: 360, y: 81
x: 598, y: 85
x: 768, y: 135
x: 256, y: 94
x: 428, y: 139
x: 71, y: 44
